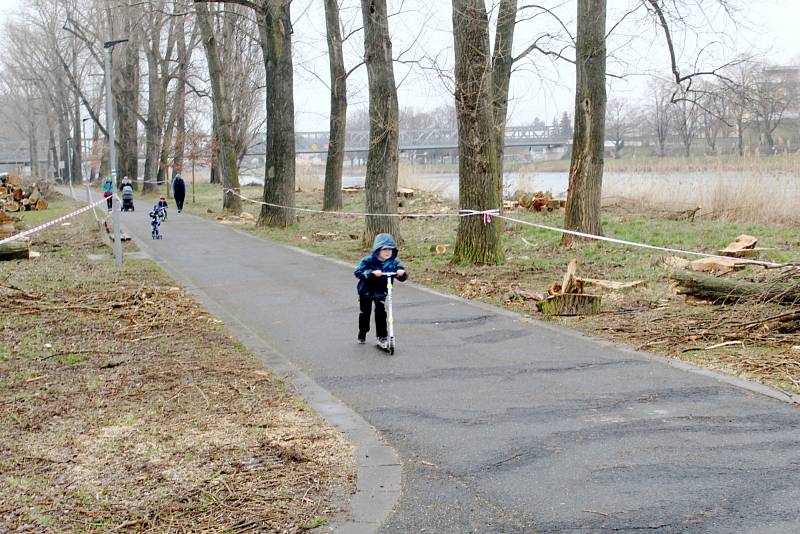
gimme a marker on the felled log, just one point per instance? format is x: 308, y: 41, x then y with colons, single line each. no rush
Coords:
x: 718, y: 265
x: 721, y: 290
x: 11, y: 205
x: 41, y: 204
x: 16, y: 193
x: 15, y: 250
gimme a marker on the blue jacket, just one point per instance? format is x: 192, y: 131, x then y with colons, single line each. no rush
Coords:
x: 373, y: 286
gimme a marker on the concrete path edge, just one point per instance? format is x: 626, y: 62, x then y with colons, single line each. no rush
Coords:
x: 378, y: 466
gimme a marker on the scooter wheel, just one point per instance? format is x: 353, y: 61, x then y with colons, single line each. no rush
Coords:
x: 391, y: 350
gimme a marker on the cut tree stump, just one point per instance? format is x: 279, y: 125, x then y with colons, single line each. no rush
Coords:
x: 721, y: 290
x: 405, y: 192
x: 16, y: 250
x: 570, y: 304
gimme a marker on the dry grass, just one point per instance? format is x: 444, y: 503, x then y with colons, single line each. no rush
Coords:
x: 125, y: 406
x: 751, y: 198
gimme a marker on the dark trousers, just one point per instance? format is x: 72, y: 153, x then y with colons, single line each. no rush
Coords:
x: 109, y: 200
x: 365, y: 303
x: 179, y: 203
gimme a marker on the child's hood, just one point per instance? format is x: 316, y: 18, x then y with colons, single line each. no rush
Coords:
x: 384, y: 241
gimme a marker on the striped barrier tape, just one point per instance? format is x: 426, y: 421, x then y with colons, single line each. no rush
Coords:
x: 487, y: 218
x: 50, y: 223
x: 768, y: 264
x: 461, y: 213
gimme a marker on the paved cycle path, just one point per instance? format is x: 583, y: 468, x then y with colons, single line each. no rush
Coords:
x: 502, y: 424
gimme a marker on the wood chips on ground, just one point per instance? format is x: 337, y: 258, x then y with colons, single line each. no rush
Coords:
x: 124, y: 406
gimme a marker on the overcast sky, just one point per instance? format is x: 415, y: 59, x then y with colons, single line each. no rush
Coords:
x: 541, y: 87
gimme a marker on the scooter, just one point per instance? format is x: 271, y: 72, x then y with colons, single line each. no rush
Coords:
x: 389, y: 315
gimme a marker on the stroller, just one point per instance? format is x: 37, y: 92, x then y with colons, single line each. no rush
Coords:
x: 155, y: 222
x: 127, y: 198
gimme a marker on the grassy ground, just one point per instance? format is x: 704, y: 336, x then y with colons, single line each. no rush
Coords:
x: 652, y: 317
x: 126, y: 406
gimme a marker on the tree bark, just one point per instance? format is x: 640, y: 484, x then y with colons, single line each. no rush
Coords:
x: 382, y: 158
x: 180, y: 102
x: 332, y: 199
x: 158, y: 81
x: 586, y: 169
x: 126, y: 99
x: 502, y: 62
x: 722, y: 290
x: 77, y: 140
x: 19, y: 249
x: 274, y: 26
x: 477, y: 240
x: 222, y: 114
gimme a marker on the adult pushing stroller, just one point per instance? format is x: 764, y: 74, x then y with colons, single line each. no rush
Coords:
x: 127, y: 198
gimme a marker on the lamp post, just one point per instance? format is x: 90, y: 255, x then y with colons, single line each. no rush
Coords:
x: 112, y: 149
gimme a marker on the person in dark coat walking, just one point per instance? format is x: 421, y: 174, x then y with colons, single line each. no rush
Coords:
x: 178, y: 191
x: 372, y: 285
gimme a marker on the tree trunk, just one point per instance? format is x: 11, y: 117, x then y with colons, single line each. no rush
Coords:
x: 19, y: 249
x: 382, y: 159
x: 502, y: 62
x: 156, y: 108
x: 477, y: 240
x: 722, y: 290
x: 222, y: 114
x: 274, y: 27
x: 586, y: 169
x: 740, y: 135
x: 126, y: 99
x: 33, y: 149
x: 332, y: 199
x: 180, y: 103
x: 77, y: 140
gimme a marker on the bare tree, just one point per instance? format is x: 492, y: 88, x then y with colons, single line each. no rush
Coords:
x: 332, y: 196
x: 382, y: 160
x: 586, y: 168
x: 657, y: 114
x: 772, y: 95
x: 222, y: 113
x: 275, y: 29
x: 477, y: 239
x: 619, y: 124
x: 686, y: 120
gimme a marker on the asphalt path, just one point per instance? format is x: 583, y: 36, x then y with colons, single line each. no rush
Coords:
x: 505, y: 424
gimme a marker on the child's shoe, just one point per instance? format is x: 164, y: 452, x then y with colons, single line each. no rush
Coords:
x: 362, y: 339
x: 383, y: 343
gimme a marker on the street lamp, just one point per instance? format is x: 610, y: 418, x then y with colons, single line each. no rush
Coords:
x: 112, y: 150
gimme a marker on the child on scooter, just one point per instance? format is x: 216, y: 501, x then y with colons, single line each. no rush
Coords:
x: 372, y: 286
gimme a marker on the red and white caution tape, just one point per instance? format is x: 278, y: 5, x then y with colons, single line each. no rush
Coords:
x: 461, y: 213
x: 50, y: 223
x: 769, y: 264
x: 487, y: 219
